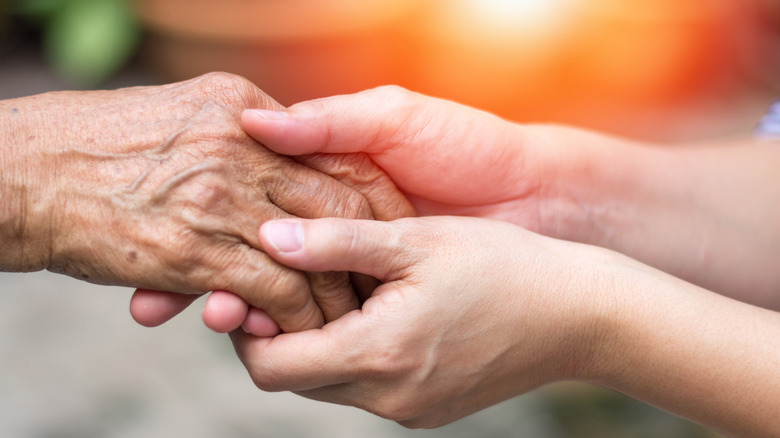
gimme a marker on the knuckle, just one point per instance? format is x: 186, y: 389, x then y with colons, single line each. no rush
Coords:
x: 328, y: 285
x: 333, y: 293
x: 392, y: 93
x: 207, y: 197
x: 283, y: 292
x: 378, y: 193
x: 184, y: 250
x: 226, y: 87
x: 313, y: 106
x: 289, y: 299
x: 343, y: 202
x: 355, y: 206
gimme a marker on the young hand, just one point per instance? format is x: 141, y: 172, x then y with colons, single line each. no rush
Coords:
x: 470, y: 312
x: 706, y: 213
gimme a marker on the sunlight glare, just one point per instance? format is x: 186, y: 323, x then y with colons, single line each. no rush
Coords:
x: 518, y: 16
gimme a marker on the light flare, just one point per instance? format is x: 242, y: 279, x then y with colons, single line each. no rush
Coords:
x: 518, y: 17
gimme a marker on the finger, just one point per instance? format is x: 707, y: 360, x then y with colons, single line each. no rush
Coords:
x: 368, y: 247
x: 360, y: 173
x: 259, y: 323
x: 334, y: 293
x: 299, y: 361
x: 224, y: 311
x: 304, y: 192
x: 430, y: 147
x: 151, y: 308
x: 339, y: 124
x: 310, y: 194
x: 263, y: 283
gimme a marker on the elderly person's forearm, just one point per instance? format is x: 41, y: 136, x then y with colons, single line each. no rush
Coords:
x: 24, y: 244
x: 160, y: 188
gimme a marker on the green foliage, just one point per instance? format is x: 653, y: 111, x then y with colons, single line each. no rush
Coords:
x: 36, y: 9
x: 3, y: 14
x: 86, y: 41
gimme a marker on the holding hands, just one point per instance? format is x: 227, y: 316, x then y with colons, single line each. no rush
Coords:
x: 307, y: 216
x: 423, y: 319
x: 471, y: 311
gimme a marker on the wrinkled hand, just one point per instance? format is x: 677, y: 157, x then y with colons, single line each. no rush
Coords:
x: 470, y: 312
x: 160, y: 188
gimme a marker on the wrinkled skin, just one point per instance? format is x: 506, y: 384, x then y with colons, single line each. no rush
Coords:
x: 160, y: 188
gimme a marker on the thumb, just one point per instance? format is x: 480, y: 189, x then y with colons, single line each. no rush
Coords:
x: 374, y: 248
x: 362, y: 122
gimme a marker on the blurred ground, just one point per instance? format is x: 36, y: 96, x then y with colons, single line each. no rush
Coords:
x: 74, y: 364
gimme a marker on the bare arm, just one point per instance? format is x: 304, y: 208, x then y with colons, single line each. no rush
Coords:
x: 697, y: 354
x: 707, y: 213
x: 160, y: 188
x: 472, y: 312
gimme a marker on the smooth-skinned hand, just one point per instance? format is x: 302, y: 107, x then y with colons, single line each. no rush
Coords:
x: 473, y: 311
x: 703, y: 211
x: 448, y: 159
x: 469, y: 312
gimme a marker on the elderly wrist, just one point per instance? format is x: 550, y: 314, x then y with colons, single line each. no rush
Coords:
x: 25, y: 232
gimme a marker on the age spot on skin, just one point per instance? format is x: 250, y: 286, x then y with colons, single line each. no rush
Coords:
x: 133, y: 256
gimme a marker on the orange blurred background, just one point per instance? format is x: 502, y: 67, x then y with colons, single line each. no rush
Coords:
x: 653, y: 69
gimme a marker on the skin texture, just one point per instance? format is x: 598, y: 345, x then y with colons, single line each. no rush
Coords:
x: 473, y: 311
x: 160, y: 188
x: 707, y: 213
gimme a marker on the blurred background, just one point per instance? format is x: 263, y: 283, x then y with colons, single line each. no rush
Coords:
x: 74, y: 364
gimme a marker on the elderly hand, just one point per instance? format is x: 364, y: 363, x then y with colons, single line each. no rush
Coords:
x: 160, y: 188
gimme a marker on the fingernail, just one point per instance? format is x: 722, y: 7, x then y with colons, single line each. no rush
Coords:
x: 269, y: 114
x: 284, y: 235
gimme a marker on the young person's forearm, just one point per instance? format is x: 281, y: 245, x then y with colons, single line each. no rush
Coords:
x: 708, y: 214
x: 728, y: 199
x: 699, y: 355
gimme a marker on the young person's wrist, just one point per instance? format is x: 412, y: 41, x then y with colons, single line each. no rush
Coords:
x: 592, y: 184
